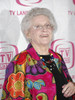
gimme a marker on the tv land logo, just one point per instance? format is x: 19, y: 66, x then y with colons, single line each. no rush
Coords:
x: 66, y: 49
x: 5, y: 58
x: 28, y: 3
x: 31, y: 2
x: 7, y: 52
x: 74, y: 2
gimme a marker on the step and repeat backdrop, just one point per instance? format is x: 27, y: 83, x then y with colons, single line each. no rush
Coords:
x: 11, y: 38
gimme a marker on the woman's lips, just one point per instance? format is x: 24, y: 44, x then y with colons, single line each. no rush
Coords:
x: 43, y: 36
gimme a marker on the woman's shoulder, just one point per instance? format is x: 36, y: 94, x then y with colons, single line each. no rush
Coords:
x: 20, y: 56
x: 55, y: 54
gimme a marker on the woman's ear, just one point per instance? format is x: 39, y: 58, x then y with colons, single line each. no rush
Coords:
x: 27, y: 34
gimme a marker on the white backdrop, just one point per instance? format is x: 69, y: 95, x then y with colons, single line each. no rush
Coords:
x: 13, y: 42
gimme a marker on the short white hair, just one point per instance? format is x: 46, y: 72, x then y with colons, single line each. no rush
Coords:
x: 26, y: 21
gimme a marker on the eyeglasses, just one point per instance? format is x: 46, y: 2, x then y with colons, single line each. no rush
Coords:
x: 41, y: 27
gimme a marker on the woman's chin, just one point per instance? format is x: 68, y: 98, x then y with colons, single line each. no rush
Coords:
x: 45, y: 43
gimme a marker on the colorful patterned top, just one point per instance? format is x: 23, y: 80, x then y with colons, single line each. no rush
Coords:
x: 28, y: 78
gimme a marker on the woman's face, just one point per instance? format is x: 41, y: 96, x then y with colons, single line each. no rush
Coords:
x: 40, y: 31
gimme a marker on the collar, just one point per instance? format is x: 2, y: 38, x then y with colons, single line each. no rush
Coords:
x: 35, y: 56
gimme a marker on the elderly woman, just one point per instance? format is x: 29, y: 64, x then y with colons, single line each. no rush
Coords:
x: 38, y: 73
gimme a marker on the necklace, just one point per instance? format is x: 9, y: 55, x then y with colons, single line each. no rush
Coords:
x: 49, y: 61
